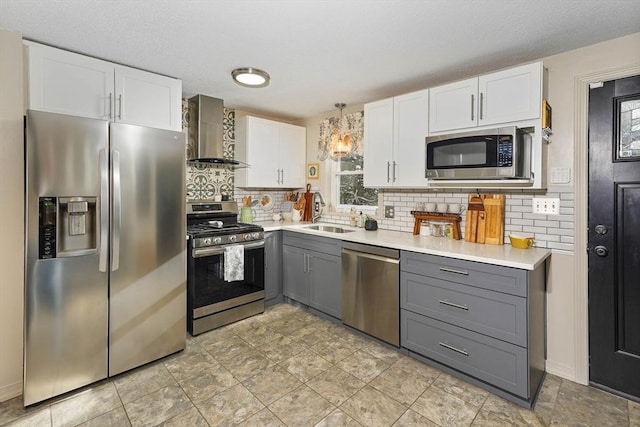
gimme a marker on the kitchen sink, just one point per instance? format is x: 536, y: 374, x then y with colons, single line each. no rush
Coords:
x: 329, y: 228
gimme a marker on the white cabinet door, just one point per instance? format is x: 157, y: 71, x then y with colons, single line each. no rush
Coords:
x: 147, y: 99
x: 293, y: 153
x: 453, y: 106
x: 68, y: 83
x: 411, y: 126
x: 263, y: 152
x: 510, y: 95
x: 275, y: 152
x: 378, y: 143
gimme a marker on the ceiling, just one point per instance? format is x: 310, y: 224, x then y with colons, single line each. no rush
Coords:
x: 319, y: 52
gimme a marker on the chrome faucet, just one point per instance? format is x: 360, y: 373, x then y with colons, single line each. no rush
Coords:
x: 318, y: 205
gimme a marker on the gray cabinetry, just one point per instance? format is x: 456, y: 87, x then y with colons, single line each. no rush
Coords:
x: 481, y: 321
x: 273, y: 267
x: 311, y: 272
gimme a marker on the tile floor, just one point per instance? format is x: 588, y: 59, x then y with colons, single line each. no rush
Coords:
x: 288, y: 367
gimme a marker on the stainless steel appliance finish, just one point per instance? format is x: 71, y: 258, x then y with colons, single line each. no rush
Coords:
x: 371, y: 290
x: 206, y: 131
x: 105, y: 250
x: 212, y: 300
x: 500, y: 153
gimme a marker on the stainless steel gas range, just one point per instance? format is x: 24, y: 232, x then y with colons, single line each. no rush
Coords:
x: 225, y: 266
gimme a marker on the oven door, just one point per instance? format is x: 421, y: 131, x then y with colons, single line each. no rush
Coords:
x: 209, y: 292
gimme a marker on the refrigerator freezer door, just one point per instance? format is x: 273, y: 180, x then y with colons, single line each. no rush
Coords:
x: 148, y: 265
x: 66, y: 303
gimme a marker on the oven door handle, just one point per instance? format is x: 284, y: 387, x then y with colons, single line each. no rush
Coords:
x: 217, y: 250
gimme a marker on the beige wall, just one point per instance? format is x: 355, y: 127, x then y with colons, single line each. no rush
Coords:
x: 11, y: 215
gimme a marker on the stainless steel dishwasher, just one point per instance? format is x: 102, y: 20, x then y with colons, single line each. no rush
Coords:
x: 370, y: 290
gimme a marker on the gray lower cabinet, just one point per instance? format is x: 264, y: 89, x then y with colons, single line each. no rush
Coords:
x: 312, y: 271
x: 481, y: 321
x: 272, y: 267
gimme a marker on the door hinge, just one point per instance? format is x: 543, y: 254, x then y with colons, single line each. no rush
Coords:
x: 595, y: 85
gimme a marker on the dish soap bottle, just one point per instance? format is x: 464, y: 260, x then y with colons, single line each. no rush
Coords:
x: 352, y: 219
x: 361, y: 220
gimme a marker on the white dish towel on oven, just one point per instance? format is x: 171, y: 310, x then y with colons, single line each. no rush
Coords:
x: 233, y: 263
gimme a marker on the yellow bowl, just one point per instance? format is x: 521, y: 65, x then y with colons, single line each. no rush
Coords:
x: 521, y: 242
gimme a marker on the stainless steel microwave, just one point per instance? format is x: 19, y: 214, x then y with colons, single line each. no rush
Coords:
x: 501, y: 153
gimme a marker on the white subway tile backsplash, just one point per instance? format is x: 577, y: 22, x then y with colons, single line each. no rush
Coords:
x: 548, y: 229
x: 544, y: 223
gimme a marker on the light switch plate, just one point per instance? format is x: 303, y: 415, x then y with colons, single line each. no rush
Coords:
x: 560, y: 175
x: 546, y: 205
x: 389, y: 212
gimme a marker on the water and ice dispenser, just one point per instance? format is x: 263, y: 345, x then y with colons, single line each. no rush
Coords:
x: 68, y: 226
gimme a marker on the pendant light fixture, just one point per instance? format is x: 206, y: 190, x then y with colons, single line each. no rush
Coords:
x: 336, y: 140
x: 250, y: 77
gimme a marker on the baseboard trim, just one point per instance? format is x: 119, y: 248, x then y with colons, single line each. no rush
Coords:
x: 10, y: 391
x: 560, y: 370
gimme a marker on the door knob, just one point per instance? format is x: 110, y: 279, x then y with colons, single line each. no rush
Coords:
x: 601, y: 229
x: 601, y: 251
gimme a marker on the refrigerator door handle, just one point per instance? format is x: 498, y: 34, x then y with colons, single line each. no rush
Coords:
x: 117, y: 210
x: 104, y: 209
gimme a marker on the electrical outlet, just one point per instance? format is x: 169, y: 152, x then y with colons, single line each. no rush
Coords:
x: 545, y: 206
x: 389, y: 212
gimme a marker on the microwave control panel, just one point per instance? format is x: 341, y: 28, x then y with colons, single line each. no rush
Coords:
x: 505, y: 152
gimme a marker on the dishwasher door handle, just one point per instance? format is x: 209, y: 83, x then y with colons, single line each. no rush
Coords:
x: 371, y: 256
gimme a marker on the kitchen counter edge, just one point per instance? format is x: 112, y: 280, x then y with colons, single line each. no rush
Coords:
x: 503, y: 255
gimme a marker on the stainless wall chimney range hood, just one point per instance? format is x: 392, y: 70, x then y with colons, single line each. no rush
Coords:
x: 206, y: 132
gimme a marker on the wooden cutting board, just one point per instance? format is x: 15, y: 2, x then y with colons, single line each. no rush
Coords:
x: 494, y: 219
x: 481, y: 227
x: 471, y: 221
x: 308, y: 206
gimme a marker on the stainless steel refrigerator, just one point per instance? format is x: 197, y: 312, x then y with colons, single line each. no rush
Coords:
x: 105, y: 250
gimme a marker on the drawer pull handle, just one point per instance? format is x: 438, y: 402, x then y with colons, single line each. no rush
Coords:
x: 451, y: 270
x: 457, y: 350
x: 451, y: 304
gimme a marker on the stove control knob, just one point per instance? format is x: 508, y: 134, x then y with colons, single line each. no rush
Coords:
x: 255, y: 235
x: 207, y: 241
x: 217, y: 240
x: 232, y: 238
x: 247, y: 236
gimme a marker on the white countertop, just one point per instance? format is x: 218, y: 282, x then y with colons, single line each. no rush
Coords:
x: 504, y: 255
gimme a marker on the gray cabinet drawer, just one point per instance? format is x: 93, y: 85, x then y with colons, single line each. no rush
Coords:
x: 498, y: 363
x: 497, y: 278
x: 325, y: 245
x: 499, y: 315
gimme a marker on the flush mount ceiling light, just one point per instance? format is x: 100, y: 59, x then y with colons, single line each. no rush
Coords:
x: 250, y: 77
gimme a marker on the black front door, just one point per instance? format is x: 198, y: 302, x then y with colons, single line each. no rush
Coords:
x: 614, y: 235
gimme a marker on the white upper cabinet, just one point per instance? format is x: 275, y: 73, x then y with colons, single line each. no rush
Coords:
x: 511, y: 95
x: 394, y: 141
x: 453, y: 106
x: 148, y: 99
x: 501, y: 97
x: 69, y: 83
x: 274, y: 151
x: 378, y: 143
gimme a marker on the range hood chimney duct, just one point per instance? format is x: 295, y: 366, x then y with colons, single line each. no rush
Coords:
x: 205, y: 130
